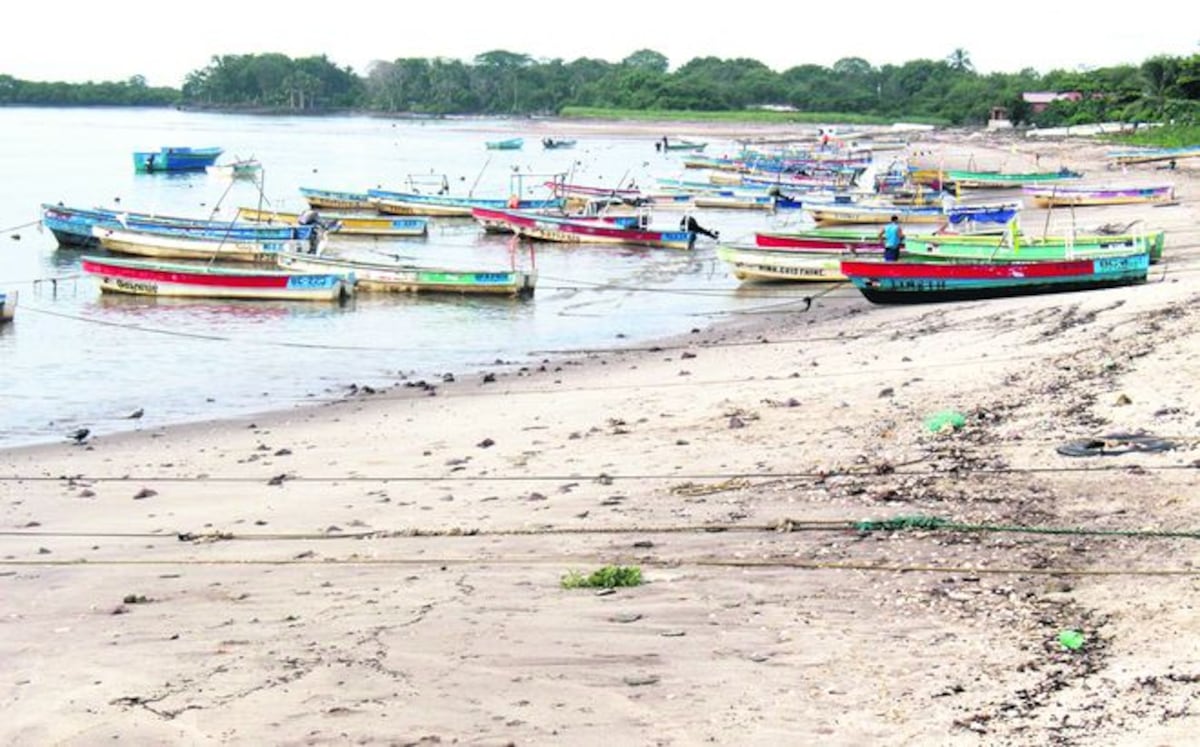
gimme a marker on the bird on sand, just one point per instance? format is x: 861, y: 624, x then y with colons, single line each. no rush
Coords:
x: 79, y: 435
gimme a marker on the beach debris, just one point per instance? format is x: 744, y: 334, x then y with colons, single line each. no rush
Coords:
x: 486, y: 443
x: 638, y: 680
x: 625, y: 617
x: 736, y: 422
x: 887, y: 392
x: 945, y: 421
x: 1123, y: 400
x: 277, y: 479
x: 1115, y: 443
x: 145, y: 493
x: 136, y: 599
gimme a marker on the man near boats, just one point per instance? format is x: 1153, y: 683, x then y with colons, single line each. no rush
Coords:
x: 892, y: 236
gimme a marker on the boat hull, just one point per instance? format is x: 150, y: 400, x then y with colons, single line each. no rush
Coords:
x: 346, y: 225
x: 175, y: 159
x: 1046, y: 198
x: 411, y: 203
x: 334, y: 200
x: 141, y: 278
x: 918, y: 282
x: 167, y: 246
x: 565, y: 230
x: 781, y: 265
x: 379, y: 277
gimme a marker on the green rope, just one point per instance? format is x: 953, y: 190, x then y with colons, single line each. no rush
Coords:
x: 935, y: 522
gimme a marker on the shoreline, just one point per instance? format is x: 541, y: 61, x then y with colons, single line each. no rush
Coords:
x: 386, y: 569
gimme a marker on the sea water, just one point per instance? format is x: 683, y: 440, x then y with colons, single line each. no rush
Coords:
x: 76, y: 358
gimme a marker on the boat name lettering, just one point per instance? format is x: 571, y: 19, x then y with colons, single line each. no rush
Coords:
x: 309, y: 281
x: 785, y: 270
x: 132, y: 287
x: 1118, y: 264
x: 915, y: 284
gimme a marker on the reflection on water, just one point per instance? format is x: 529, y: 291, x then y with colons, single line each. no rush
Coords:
x: 75, y: 357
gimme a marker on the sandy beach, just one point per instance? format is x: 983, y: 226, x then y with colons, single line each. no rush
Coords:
x: 386, y: 570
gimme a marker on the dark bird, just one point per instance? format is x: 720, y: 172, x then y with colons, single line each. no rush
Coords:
x: 135, y: 414
x: 79, y: 435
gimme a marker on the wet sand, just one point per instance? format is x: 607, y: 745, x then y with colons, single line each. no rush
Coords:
x: 386, y: 570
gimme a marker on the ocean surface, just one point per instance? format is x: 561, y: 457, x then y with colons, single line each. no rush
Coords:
x: 75, y: 358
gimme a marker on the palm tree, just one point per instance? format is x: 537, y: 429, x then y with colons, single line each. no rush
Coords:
x: 960, y: 60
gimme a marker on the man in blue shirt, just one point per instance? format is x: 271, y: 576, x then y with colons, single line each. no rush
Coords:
x: 892, y: 236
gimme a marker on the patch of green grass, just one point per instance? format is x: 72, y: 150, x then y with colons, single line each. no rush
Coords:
x: 1167, y: 136
x: 608, y: 577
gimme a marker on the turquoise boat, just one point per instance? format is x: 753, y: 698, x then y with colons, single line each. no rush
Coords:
x: 175, y: 159
x: 510, y: 144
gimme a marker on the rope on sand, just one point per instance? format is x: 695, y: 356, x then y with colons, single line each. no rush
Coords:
x: 763, y: 563
x: 782, y: 526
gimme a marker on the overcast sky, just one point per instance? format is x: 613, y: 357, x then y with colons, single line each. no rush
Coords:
x: 75, y: 40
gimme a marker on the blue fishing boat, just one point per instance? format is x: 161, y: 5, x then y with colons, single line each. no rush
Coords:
x: 175, y: 159
x: 75, y: 227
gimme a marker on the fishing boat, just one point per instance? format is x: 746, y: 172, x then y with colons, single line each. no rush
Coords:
x: 514, y: 143
x: 551, y: 143
x: 832, y: 239
x: 75, y: 227
x: 753, y: 263
x: 731, y: 200
x: 1013, y: 247
x: 568, y: 230
x: 415, y: 203
x: 997, y: 180
x: 392, y: 277
x: 244, y: 168
x: 175, y: 159
x: 1079, y: 196
x: 588, y: 191
x: 335, y: 200
x: 921, y: 282
x: 344, y: 224
x: 8, y: 306
x: 1152, y: 155
x: 876, y: 214
x: 682, y: 144
x: 147, y: 278
x: 166, y: 244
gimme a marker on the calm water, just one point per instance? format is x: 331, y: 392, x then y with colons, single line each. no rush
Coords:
x: 75, y: 358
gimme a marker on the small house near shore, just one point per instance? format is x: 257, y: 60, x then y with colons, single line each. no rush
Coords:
x: 1039, y: 100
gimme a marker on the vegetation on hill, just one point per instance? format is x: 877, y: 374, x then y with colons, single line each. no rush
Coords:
x: 505, y: 83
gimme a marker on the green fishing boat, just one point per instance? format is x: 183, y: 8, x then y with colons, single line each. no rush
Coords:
x: 1016, y: 248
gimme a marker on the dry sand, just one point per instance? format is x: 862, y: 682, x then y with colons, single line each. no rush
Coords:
x: 386, y: 570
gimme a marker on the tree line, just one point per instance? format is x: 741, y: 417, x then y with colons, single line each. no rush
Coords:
x: 499, y: 82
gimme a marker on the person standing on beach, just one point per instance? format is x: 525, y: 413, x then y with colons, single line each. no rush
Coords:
x: 892, y: 236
